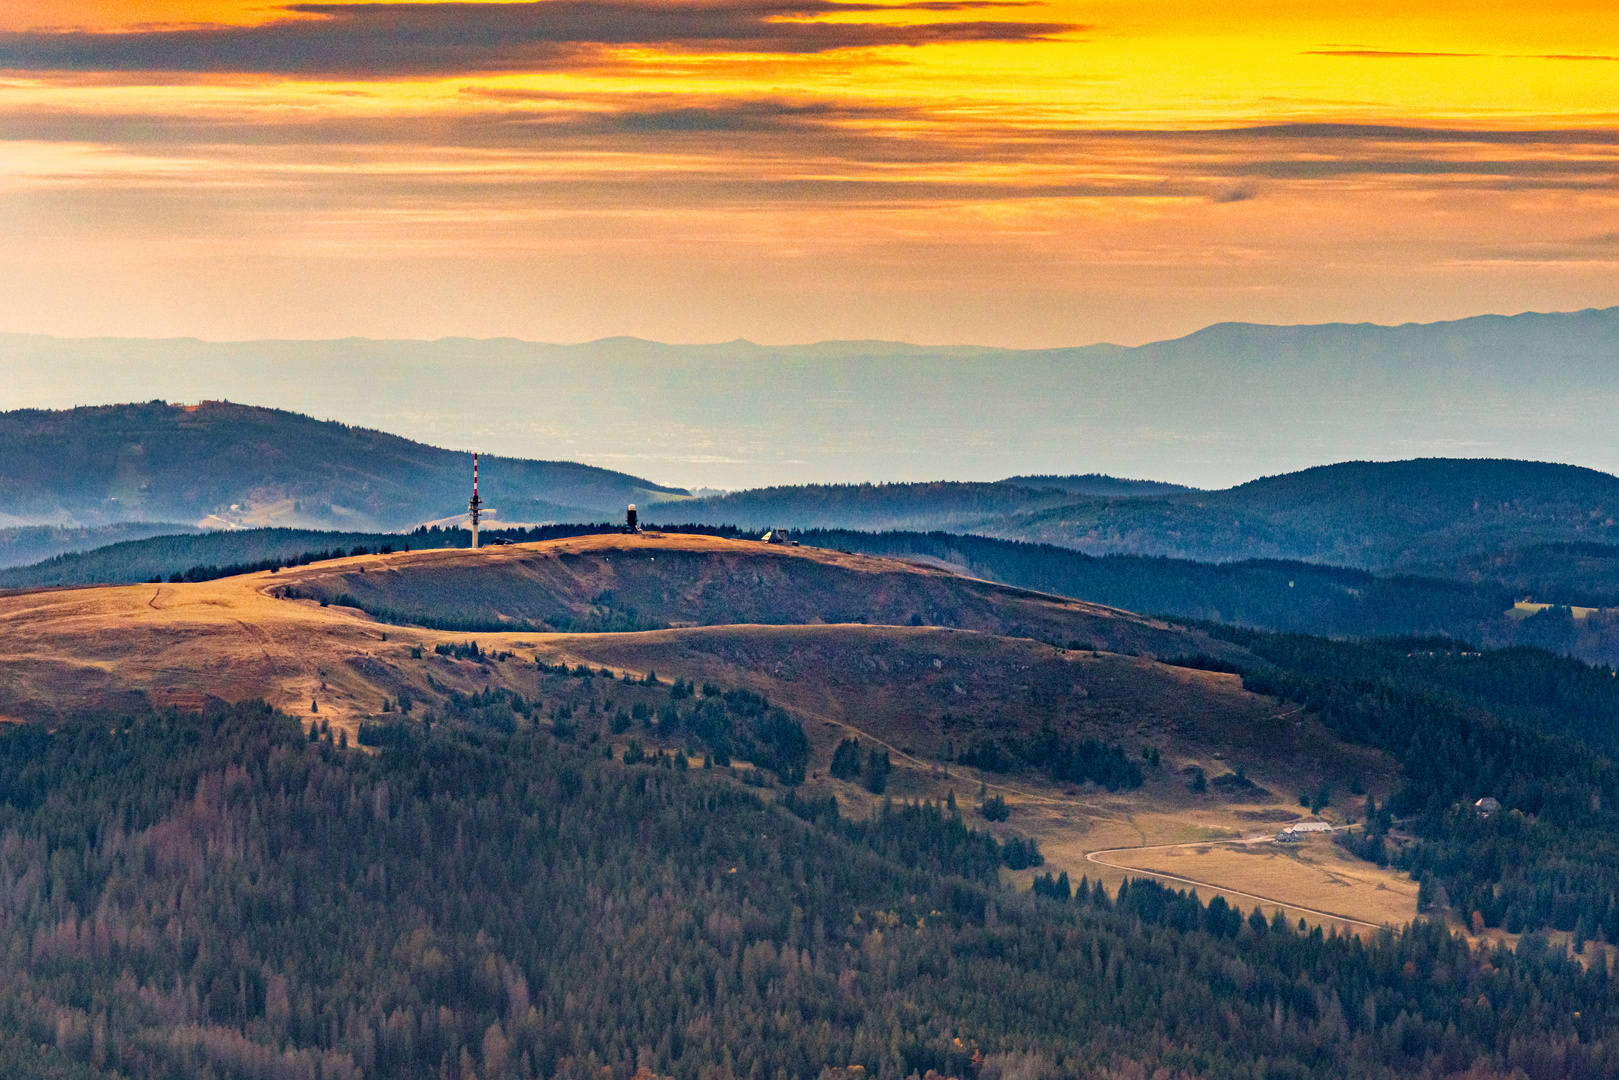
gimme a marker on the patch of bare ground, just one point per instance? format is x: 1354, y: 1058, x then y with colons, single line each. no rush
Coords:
x: 1314, y: 879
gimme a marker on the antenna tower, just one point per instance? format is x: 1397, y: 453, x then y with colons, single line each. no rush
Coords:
x: 475, y: 506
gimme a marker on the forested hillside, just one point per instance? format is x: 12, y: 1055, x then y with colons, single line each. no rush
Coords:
x: 218, y: 895
x: 1531, y: 730
x: 1293, y: 596
x: 238, y: 465
x: 29, y: 544
x: 1428, y: 514
x: 1584, y: 574
x: 199, y: 556
x: 957, y: 507
x: 1097, y: 485
x: 1438, y: 517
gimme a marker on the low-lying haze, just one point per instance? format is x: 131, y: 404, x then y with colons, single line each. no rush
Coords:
x: 1224, y: 405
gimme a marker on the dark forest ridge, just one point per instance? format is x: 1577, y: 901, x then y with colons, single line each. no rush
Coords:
x: 1097, y: 484
x: 1427, y: 515
x: 26, y: 545
x: 221, y: 465
x: 1299, y: 597
x: 1211, y: 409
x: 1403, y: 515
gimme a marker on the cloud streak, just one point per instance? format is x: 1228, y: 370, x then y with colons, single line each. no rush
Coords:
x: 671, y: 149
x: 395, y: 40
x: 811, y: 156
x: 1391, y: 54
x: 1395, y: 54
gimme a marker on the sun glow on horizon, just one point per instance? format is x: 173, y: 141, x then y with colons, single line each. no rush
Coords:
x: 1013, y: 174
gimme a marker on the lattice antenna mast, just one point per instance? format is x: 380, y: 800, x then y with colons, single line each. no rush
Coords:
x: 475, y: 506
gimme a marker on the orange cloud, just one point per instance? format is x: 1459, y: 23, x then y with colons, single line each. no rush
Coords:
x: 1046, y: 172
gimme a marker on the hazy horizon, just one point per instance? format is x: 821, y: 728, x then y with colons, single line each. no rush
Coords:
x: 1225, y: 405
x: 721, y: 343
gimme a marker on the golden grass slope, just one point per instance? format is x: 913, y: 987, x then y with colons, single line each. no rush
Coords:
x: 922, y: 692
x: 608, y: 581
x: 241, y: 637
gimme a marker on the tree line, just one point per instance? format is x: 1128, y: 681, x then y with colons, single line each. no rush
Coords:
x: 214, y: 895
x: 1271, y: 594
x: 1519, y: 726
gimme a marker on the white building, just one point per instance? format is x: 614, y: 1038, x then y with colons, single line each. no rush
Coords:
x: 1301, y: 829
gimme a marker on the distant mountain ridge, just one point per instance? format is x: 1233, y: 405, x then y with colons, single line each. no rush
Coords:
x: 220, y: 464
x: 951, y: 505
x: 104, y: 474
x: 1211, y: 409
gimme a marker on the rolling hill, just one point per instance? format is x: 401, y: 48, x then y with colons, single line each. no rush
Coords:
x: 1436, y: 516
x: 1423, y: 515
x: 1096, y: 485
x: 1122, y: 744
x: 1475, y: 604
x: 616, y: 582
x: 254, y: 830
x: 1063, y: 733
x: 534, y: 589
x: 225, y: 465
x: 29, y: 544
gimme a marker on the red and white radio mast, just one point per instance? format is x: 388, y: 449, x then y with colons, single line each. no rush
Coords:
x: 475, y: 507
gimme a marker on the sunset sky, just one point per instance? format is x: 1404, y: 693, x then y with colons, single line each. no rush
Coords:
x: 941, y: 171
